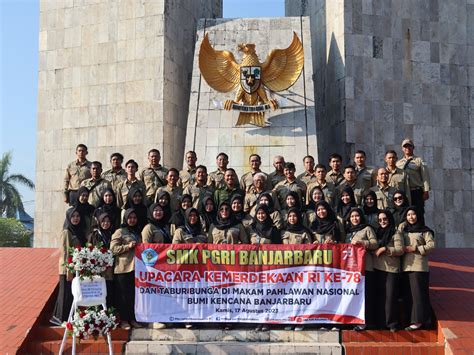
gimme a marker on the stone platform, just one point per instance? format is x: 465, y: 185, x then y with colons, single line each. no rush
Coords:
x: 241, y: 341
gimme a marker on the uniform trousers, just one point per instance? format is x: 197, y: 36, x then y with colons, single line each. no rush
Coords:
x: 417, y: 199
x: 417, y: 298
x: 125, y: 295
x: 370, y: 298
x: 388, y: 310
x: 64, y: 301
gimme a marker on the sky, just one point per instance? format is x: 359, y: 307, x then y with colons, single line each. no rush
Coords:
x: 19, y: 28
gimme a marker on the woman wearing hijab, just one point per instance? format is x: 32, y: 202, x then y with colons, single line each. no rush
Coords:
x: 108, y: 204
x: 262, y: 229
x: 295, y: 232
x: 135, y: 200
x: 315, y: 195
x: 156, y: 231
x: 85, y: 209
x: 292, y: 200
x: 72, y: 236
x: 345, y: 203
x: 419, y: 242
x: 163, y: 198
x: 387, y: 271
x: 400, y: 202
x: 102, y: 236
x: 208, y: 212
x: 369, y: 206
x: 237, y: 205
x: 123, y: 245
x: 178, y: 218
x: 358, y: 232
x: 227, y: 229
x: 192, y: 231
x: 275, y: 215
x: 326, y: 227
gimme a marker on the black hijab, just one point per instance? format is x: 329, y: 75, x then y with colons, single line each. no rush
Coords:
x: 327, y: 224
x: 167, y: 207
x: 225, y: 223
x: 350, y: 228
x: 159, y: 223
x: 111, y: 209
x: 85, y: 209
x: 134, y: 229
x: 105, y: 234
x: 265, y: 229
x: 343, y: 209
x: 77, y: 231
x: 400, y: 211
x: 296, y: 198
x: 370, y: 210
x: 419, y: 226
x: 140, y: 209
x: 240, y: 215
x: 298, y: 227
x: 193, y: 229
x: 209, y: 217
x: 384, y: 235
x: 179, y: 217
x: 271, y: 203
x: 312, y: 203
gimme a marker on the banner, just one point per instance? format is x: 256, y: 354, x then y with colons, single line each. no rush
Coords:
x: 289, y: 284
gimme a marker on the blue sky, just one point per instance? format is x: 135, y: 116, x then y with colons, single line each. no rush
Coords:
x: 19, y: 24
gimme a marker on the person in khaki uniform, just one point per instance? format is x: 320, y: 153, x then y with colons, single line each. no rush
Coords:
x: 397, y: 177
x: 350, y: 179
x: 387, y: 271
x: 383, y: 190
x: 360, y: 233
x: 76, y: 172
x: 308, y: 176
x: 275, y: 215
x: 95, y: 184
x: 187, y: 176
x: 277, y: 175
x: 419, y: 242
x: 192, y: 232
x: 327, y: 187
x: 365, y: 175
x: 115, y: 175
x: 418, y: 176
x: 227, y: 229
x: 157, y: 230
x: 327, y: 228
x: 237, y: 205
x: 199, y: 188
x: 315, y: 196
x: 295, y: 232
x: 122, y: 246
x: 73, y: 235
x: 246, y: 181
x: 216, y: 178
x: 290, y: 184
x: 370, y: 209
x: 125, y: 186
x: 334, y: 175
x: 262, y: 229
x: 259, y: 187
x: 172, y: 188
x: 153, y: 176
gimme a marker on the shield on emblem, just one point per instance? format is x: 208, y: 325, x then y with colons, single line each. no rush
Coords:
x: 250, y: 78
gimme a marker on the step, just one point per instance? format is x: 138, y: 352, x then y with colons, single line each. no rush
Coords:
x: 393, y: 348
x: 45, y: 333
x: 386, y: 336
x: 230, y: 347
x: 237, y: 335
x: 84, y: 347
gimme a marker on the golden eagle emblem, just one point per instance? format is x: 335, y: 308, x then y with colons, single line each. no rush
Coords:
x: 280, y: 71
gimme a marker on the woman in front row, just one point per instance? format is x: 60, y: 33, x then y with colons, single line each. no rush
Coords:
x: 227, y: 229
x: 419, y: 242
x: 192, y: 231
x: 326, y: 227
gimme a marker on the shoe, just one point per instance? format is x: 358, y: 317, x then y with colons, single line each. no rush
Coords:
x: 136, y: 324
x: 360, y: 327
x: 299, y: 328
x: 413, y: 327
x: 288, y: 328
x: 265, y: 328
x: 55, y: 321
x: 323, y: 329
x: 334, y: 328
x: 228, y: 327
x: 125, y: 325
x: 258, y: 328
x: 188, y: 326
x: 157, y: 325
x: 393, y: 329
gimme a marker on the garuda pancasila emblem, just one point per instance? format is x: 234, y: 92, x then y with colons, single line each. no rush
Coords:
x: 280, y: 71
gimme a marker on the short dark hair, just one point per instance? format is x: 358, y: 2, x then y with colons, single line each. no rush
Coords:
x: 192, y: 152
x: 131, y: 161
x: 360, y: 152
x: 290, y: 166
x: 97, y: 163
x: 118, y: 155
x: 230, y: 169
x: 81, y: 145
x: 349, y: 167
x: 335, y: 156
x: 308, y: 156
x: 223, y: 154
x: 154, y: 151
x: 173, y: 170
x: 391, y: 152
x: 320, y: 166
x: 201, y: 167
x: 255, y: 155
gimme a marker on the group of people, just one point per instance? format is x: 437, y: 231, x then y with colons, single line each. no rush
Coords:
x: 379, y: 209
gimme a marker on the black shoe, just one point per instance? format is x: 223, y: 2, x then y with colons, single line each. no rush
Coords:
x: 56, y: 321
x: 393, y: 329
x: 258, y: 328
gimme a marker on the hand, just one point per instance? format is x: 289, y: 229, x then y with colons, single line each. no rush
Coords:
x: 357, y: 242
x: 380, y: 251
x: 426, y: 195
x: 409, y: 249
x: 329, y: 241
x: 316, y: 242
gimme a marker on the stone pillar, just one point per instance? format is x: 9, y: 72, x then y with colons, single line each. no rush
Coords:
x: 292, y: 129
x: 115, y: 76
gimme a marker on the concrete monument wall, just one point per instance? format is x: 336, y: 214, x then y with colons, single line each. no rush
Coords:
x: 385, y: 70
x: 292, y: 129
x: 116, y: 76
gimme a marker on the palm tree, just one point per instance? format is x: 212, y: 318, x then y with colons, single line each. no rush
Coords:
x: 10, y: 198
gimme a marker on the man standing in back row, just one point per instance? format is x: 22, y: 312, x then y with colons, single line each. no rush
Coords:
x: 154, y: 176
x: 76, y: 172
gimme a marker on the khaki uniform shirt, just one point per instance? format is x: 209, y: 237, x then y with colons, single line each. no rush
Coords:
x: 275, y: 178
x: 334, y: 177
x: 306, y: 178
x: 399, y: 180
x: 389, y: 261
x: 198, y: 193
x: 232, y: 235
x: 187, y: 177
x: 358, y: 191
x: 124, y: 187
x: 323, y: 238
x: 329, y: 191
x: 384, y: 196
x: 284, y: 187
x: 124, y: 256
x: 418, y: 260
x: 296, y: 238
x: 417, y: 171
x: 75, y: 174
x: 153, y: 178
x: 367, y: 237
x: 115, y: 178
x: 251, y: 198
x: 67, y: 240
x: 96, y: 189
x: 152, y: 234
x: 246, y: 181
x: 216, y: 179
x: 175, y: 195
x: 181, y: 236
x: 366, y: 177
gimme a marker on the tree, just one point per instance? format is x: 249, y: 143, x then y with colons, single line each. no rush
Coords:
x: 10, y: 198
x: 13, y: 233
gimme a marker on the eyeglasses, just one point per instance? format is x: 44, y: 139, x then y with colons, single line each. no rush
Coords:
x: 398, y: 198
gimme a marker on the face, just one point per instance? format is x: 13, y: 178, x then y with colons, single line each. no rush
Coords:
x: 84, y: 197
x: 154, y: 158
x: 383, y: 220
x: 131, y: 169
x: 321, y: 212
x: 289, y: 173
x: 398, y: 199
x: 75, y: 218
x: 105, y: 224
x: 345, y: 198
x: 349, y: 175
x: 292, y: 218
x: 321, y: 174
x: 81, y: 153
x: 290, y: 201
x: 408, y: 149
x: 209, y: 206
x: 229, y: 178
x: 116, y: 162
x: 132, y: 219
x: 201, y: 175
x: 222, y: 162
x: 382, y: 176
x: 391, y: 159
x: 191, y: 159
x: 355, y: 218
x: 108, y: 198
x: 186, y: 203
x: 259, y: 182
x: 335, y: 164
x: 369, y: 201
x: 261, y: 215
x: 237, y: 205
x: 278, y: 163
x: 163, y: 200
x: 255, y: 162
x: 359, y: 159
x: 264, y: 200
x: 158, y: 213
x: 309, y: 164
x: 95, y: 171
x: 224, y: 211
x: 172, y: 177
x: 137, y: 198
x: 411, y: 217
x: 317, y: 195
x: 193, y: 218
